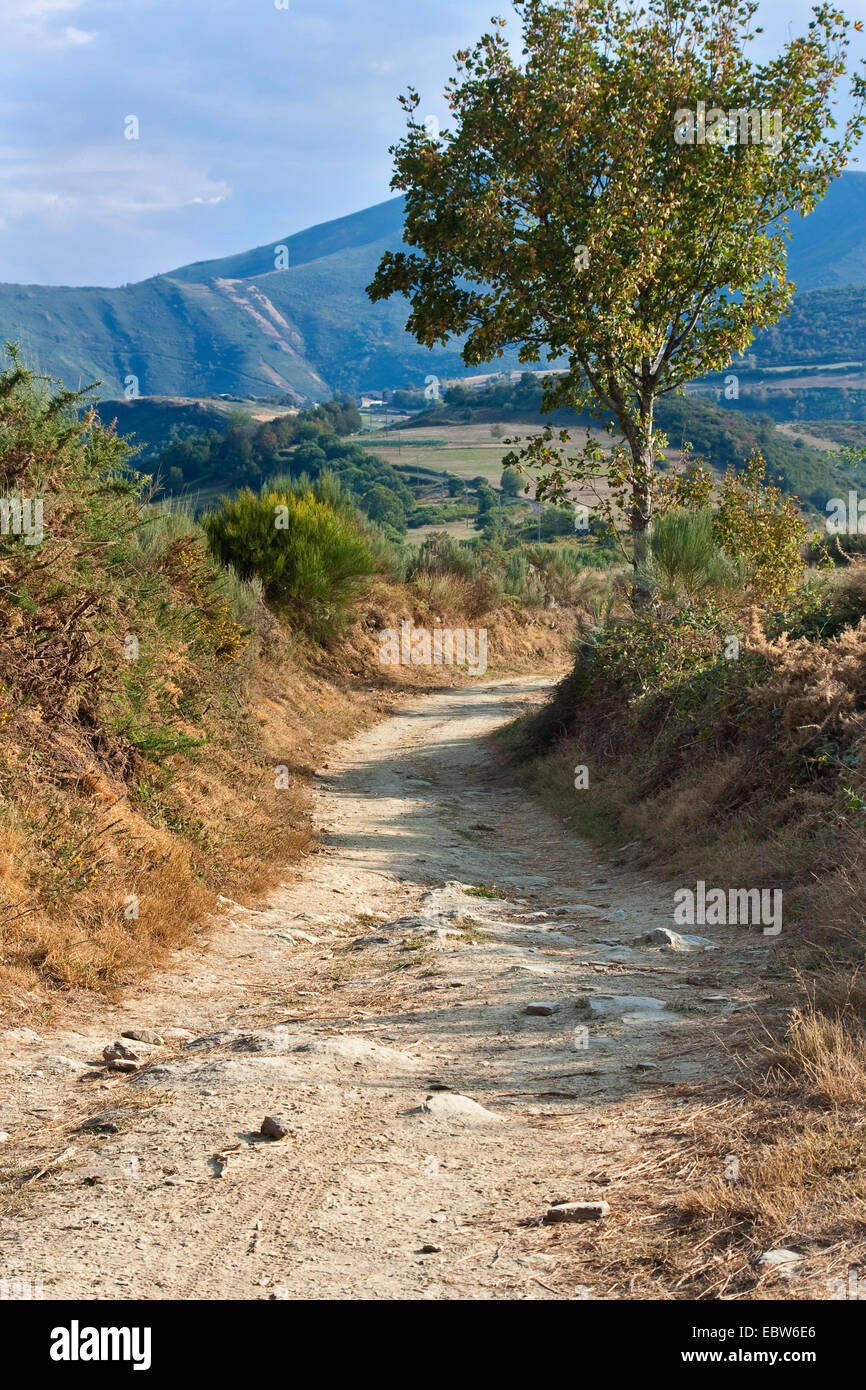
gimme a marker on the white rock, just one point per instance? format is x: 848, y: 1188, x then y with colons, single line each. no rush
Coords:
x: 633, y: 1009
x: 577, y: 1211
x: 671, y: 940
x: 448, y: 1105
x: 63, y: 1066
x: 624, y: 1003
x: 20, y: 1035
x: 177, y: 1035
x: 229, y: 905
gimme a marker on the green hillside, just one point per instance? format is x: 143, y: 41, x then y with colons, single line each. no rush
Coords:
x: 824, y: 325
x: 238, y: 325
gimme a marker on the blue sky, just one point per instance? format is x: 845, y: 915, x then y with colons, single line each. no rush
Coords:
x: 255, y: 122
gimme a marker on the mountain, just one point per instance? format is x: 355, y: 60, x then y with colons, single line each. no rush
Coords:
x: 829, y: 246
x: 236, y: 325
x: 240, y: 326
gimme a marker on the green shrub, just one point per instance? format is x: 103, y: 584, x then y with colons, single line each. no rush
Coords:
x: 687, y: 557
x: 840, y: 550
x: 442, y: 554
x: 516, y: 574
x: 311, y: 558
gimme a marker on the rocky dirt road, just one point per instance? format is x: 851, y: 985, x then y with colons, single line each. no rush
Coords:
x: 382, y: 1007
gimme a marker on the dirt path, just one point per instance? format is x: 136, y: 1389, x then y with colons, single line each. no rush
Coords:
x: 372, y: 982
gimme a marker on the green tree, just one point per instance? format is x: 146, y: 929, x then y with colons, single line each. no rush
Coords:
x: 384, y: 506
x: 577, y: 210
x: 511, y: 482
x: 266, y: 448
x: 487, y: 500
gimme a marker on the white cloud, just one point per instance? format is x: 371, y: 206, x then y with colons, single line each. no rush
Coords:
x: 74, y: 38
x: 100, y: 185
x: 39, y: 23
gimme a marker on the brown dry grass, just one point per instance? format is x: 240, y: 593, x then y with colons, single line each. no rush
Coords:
x: 758, y: 777
x: 82, y: 835
x: 770, y: 1156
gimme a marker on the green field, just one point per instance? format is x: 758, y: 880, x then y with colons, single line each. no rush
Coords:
x: 467, y: 450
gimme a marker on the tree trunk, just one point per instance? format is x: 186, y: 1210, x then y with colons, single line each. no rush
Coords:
x: 641, y: 525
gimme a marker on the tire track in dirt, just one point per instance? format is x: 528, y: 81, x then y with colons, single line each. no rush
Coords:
x: 415, y: 982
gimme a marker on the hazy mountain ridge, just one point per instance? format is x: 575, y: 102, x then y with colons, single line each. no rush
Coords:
x: 238, y: 325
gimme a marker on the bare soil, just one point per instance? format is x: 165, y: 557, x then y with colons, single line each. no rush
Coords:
x: 376, y: 996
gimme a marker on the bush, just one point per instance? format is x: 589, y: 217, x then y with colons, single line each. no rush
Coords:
x: 687, y: 558
x: 311, y: 558
x: 442, y: 554
x: 452, y: 594
x: 840, y: 550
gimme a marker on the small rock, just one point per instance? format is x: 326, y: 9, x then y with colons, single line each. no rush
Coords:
x: 646, y: 1066
x: 105, y: 1123
x: 577, y: 1211
x: 123, y: 1064
x: 541, y: 1010
x: 449, y: 1105
x: 431, y: 1249
x: 4, y: 1135
x: 177, y: 1035
x: 145, y: 1035
x: 62, y: 1065
x: 118, y: 1051
x: 274, y: 1128
x: 20, y: 1035
x: 672, y: 940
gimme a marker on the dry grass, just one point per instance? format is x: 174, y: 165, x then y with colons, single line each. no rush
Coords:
x: 751, y: 775
x: 83, y: 835
x: 723, y: 1179
x: 822, y: 1059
